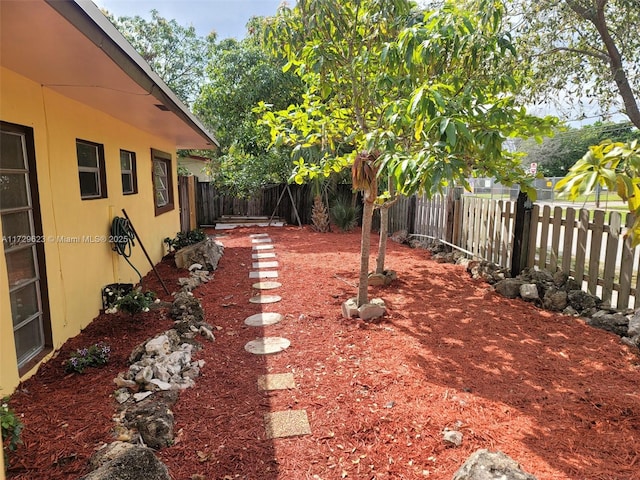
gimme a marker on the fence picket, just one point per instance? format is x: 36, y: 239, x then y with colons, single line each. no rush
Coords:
x: 505, y: 240
x: 581, y: 248
x: 544, y: 237
x: 613, y: 240
x: 555, y: 239
x: 597, y: 231
x: 491, y: 213
x: 626, y: 269
x: 567, y: 246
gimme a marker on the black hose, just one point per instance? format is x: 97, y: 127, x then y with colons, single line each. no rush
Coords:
x: 122, y: 237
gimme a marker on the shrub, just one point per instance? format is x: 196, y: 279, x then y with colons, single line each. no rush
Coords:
x: 11, y: 429
x: 133, y: 302
x: 344, y: 214
x: 96, y: 355
x: 184, y: 239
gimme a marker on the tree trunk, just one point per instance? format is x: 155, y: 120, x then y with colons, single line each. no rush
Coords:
x: 382, y: 245
x: 365, y: 247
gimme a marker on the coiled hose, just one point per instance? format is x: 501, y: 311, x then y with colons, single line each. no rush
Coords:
x: 122, y: 237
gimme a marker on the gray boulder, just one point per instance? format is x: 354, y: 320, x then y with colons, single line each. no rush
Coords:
x: 555, y: 300
x: 611, y: 322
x: 582, y: 301
x: 131, y: 462
x: 529, y: 292
x: 153, y: 419
x: 634, y: 324
x: 509, y: 287
x: 207, y: 253
x: 485, y: 465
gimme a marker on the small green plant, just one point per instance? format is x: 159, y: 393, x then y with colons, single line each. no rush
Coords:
x: 96, y: 355
x: 133, y: 302
x: 184, y: 239
x: 344, y: 214
x: 11, y: 429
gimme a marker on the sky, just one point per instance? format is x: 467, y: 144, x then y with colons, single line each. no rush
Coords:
x: 227, y: 18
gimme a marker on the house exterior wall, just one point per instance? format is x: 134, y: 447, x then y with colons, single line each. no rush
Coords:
x: 76, y: 268
x: 195, y: 168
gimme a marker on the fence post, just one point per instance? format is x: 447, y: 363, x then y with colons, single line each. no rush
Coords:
x: 521, y: 234
x: 411, y: 215
x: 453, y: 199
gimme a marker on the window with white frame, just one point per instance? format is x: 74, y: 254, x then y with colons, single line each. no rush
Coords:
x: 128, y: 172
x: 91, y: 170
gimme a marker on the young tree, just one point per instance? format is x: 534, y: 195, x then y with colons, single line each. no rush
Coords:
x: 581, y: 48
x: 391, y: 90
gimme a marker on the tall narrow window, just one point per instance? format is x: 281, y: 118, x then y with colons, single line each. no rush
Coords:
x: 23, y: 252
x: 162, y: 181
x: 128, y: 171
x: 91, y: 170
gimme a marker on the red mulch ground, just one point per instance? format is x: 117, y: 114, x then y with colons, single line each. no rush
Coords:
x: 560, y: 397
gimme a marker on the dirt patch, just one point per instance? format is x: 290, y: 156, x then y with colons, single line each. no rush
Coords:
x: 560, y: 397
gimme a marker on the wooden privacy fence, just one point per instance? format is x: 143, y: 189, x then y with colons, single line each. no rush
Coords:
x: 516, y: 235
x: 212, y: 204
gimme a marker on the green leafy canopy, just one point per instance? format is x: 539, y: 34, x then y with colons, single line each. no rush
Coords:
x: 425, y: 89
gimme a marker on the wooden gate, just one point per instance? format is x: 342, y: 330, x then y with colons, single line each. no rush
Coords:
x: 187, y: 201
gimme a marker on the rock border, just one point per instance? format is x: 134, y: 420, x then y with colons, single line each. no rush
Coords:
x: 551, y: 291
x: 160, y: 367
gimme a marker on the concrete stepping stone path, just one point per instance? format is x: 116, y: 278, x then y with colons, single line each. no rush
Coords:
x: 265, y: 299
x: 262, y: 319
x: 260, y: 256
x: 267, y: 345
x: 263, y: 274
x: 276, y: 381
x: 266, y: 285
x: 265, y: 265
x: 258, y: 235
x: 290, y: 423
x: 263, y: 247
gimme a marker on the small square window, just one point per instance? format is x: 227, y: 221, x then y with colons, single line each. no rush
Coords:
x: 128, y: 172
x: 91, y: 170
x: 162, y: 182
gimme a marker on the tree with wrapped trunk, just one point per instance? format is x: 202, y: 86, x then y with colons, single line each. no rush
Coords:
x: 418, y: 96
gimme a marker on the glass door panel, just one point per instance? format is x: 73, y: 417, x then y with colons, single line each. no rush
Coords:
x: 20, y: 245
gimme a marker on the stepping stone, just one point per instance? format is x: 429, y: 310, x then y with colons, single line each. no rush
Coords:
x: 261, y: 240
x: 264, y: 318
x: 258, y: 256
x: 262, y: 247
x: 265, y: 299
x: 258, y: 235
x: 267, y: 345
x: 264, y: 274
x: 266, y: 285
x: 290, y: 423
x: 276, y: 381
x: 265, y: 265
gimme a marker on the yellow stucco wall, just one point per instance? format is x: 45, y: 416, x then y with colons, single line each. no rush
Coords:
x: 76, y: 272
